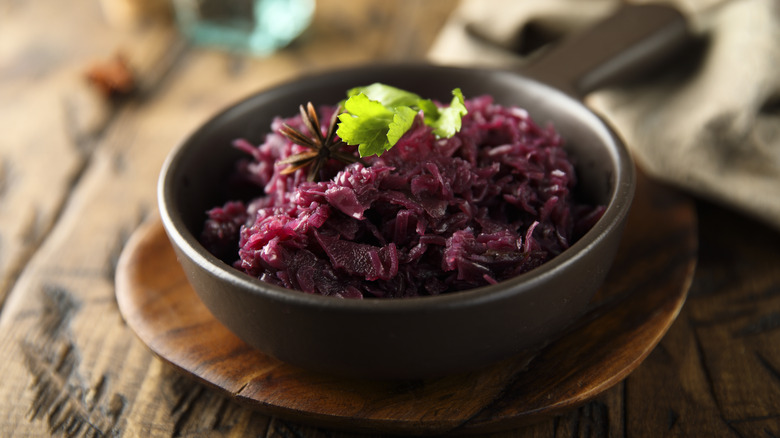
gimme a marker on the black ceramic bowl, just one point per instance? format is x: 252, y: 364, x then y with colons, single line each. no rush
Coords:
x: 401, y: 338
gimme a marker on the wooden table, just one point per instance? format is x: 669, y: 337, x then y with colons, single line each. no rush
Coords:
x: 78, y: 175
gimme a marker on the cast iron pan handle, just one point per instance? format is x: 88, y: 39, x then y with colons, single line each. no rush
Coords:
x: 632, y: 40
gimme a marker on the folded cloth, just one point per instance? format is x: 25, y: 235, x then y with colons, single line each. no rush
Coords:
x: 708, y: 123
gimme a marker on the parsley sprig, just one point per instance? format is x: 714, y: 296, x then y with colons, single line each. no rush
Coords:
x: 378, y: 115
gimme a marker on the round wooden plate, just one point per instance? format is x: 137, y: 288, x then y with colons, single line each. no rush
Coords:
x: 642, y: 296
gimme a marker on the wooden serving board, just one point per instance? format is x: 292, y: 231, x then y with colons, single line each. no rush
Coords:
x: 642, y: 296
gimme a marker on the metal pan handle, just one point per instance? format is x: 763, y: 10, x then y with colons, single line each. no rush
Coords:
x: 632, y: 40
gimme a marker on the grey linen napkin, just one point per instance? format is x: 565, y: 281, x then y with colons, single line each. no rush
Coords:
x: 709, y: 123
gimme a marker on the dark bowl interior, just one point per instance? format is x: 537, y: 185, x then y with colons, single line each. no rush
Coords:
x: 402, y: 338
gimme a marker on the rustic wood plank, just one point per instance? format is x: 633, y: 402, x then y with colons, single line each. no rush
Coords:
x: 33, y: 73
x: 718, y: 362
x: 51, y: 118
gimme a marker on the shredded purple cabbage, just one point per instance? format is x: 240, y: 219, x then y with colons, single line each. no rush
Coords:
x: 429, y: 216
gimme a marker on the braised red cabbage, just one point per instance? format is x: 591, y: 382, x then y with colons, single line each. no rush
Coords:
x: 429, y: 216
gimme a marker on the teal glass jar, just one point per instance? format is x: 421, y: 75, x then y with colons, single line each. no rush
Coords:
x: 257, y: 27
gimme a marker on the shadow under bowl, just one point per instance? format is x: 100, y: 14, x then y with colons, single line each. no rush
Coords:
x: 407, y: 338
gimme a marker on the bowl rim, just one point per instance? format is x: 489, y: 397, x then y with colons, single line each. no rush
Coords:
x: 620, y: 198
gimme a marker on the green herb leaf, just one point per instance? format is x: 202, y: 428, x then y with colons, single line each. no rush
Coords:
x: 449, y: 120
x: 386, y: 95
x: 378, y: 115
x: 402, y: 122
x: 366, y: 123
x: 430, y: 111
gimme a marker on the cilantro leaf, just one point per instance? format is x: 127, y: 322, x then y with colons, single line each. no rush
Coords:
x: 449, y: 120
x: 402, y: 122
x: 378, y: 115
x: 387, y: 95
x: 430, y: 111
x: 366, y: 124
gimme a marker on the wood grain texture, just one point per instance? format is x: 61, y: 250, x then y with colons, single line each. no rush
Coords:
x: 640, y: 300
x: 719, y: 362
